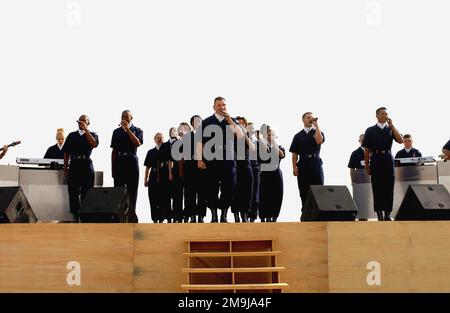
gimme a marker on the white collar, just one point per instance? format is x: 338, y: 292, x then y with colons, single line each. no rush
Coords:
x: 408, y: 150
x: 172, y: 140
x: 308, y: 129
x: 60, y: 146
x: 219, y: 117
x: 362, y: 148
x: 157, y: 147
x: 382, y: 125
x: 81, y: 132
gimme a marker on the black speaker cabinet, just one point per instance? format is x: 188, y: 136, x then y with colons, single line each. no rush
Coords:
x: 105, y: 205
x: 329, y: 203
x: 14, y: 206
x: 425, y: 202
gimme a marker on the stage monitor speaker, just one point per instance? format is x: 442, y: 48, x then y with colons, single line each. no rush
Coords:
x: 329, y: 203
x: 14, y: 206
x: 425, y: 203
x: 105, y: 205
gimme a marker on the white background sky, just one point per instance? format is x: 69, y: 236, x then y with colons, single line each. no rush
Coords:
x: 272, y: 60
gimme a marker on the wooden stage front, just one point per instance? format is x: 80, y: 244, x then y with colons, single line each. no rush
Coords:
x: 310, y: 257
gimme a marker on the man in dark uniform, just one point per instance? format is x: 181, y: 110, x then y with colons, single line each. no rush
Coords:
x: 80, y: 172
x: 378, y: 144
x: 195, y: 195
x: 216, y: 155
x: 125, y: 164
x: 306, y: 161
x: 408, y: 151
x: 446, y: 151
x: 357, y: 157
x: 172, y: 188
x: 151, y: 180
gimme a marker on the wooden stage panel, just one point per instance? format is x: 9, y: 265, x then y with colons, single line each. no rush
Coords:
x: 159, y: 260
x: 34, y: 257
x: 414, y: 256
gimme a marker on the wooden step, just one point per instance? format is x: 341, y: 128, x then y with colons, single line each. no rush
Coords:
x: 225, y: 240
x: 278, y: 286
x: 233, y: 270
x: 230, y: 254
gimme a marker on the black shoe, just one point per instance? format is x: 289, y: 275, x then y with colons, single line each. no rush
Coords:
x: 223, y: 216
x: 252, y: 220
x: 237, y: 218
x: 214, y: 217
x: 186, y: 219
x: 169, y: 221
x: 200, y: 219
x: 263, y: 220
x: 244, y: 217
x: 380, y: 215
x: 274, y: 220
x: 193, y: 220
x: 387, y: 216
x: 160, y: 221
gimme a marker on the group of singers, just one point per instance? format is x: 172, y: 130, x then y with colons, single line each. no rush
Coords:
x: 181, y: 190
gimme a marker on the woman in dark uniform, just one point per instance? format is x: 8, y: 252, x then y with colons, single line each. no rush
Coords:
x: 271, y: 188
x: 256, y: 169
x: 244, y: 188
x: 151, y: 180
x: 56, y: 152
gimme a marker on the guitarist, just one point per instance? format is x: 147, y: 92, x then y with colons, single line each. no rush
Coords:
x: 5, y: 149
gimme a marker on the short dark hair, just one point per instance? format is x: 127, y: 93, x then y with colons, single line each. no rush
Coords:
x: 219, y: 99
x: 380, y: 109
x: 192, y: 119
x: 304, y: 114
x: 407, y: 136
x: 243, y: 119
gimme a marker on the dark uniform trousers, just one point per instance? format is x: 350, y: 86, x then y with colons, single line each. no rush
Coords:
x: 310, y: 173
x: 171, y: 194
x: 194, y: 187
x: 127, y: 175
x: 272, y: 190
x: 221, y: 175
x: 383, y: 180
x: 80, y: 180
x: 244, y: 188
x: 254, y: 206
x: 154, y: 196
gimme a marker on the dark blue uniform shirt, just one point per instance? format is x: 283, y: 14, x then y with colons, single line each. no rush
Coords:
x: 121, y: 141
x: 54, y: 153
x: 225, y: 142
x: 304, y: 144
x: 78, y: 145
x: 356, y: 158
x: 377, y: 139
x: 413, y: 153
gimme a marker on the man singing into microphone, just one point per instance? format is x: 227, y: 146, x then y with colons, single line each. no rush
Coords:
x: 306, y: 161
x: 78, y: 148
x: 377, y: 143
x: 125, y: 163
x: 220, y: 167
